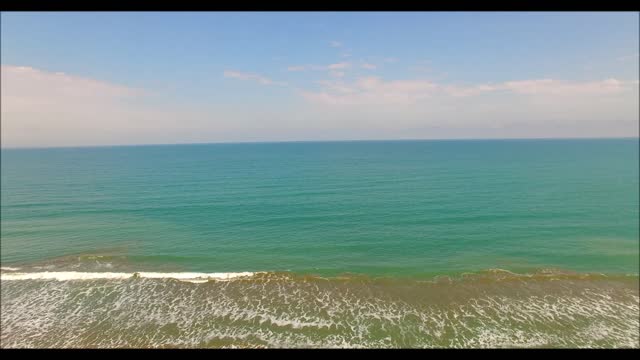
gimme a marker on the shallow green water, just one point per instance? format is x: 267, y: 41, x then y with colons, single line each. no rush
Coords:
x: 380, y: 208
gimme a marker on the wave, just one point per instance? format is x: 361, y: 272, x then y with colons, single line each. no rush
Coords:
x: 75, y: 275
x: 201, y: 277
x: 483, y: 276
x: 8, y: 268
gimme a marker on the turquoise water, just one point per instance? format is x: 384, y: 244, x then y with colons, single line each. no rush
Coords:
x: 387, y: 208
x: 501, y: 243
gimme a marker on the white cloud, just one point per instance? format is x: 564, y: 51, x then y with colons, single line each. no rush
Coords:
x: 25, y: 89
x: 369, y: 66
x: 53, y: 108
x: 249, y: 76
x: 19, y: 81
x: 335, y: 43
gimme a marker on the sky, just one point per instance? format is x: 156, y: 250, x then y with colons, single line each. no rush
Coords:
x: 100, y: 78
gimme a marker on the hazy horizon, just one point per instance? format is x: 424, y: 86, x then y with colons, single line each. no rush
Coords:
x: 324, y: 141
x: 183, y: 78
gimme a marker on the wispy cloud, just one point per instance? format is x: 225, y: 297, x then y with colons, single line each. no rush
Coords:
x: 374, y: 90
x: 342, y: 65
x: 296, y: 68
x: 249, y: 76
x: 422, y: 66
x: 371, y: 90
x: 335, y: 43
x: 46, y: 108
x: 629, y: 57
x: 560, y: 88
x: 523, y: 108
x: 330, y: 67
x: 368, y: 66
x: 307, y: 68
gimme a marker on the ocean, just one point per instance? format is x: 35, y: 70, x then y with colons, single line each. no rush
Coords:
x: 440, y: 243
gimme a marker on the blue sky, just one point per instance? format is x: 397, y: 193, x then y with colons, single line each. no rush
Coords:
x: 269, y: 76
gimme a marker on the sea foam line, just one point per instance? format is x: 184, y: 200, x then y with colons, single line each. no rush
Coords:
x: 9, y: 268
x: 75, y: 275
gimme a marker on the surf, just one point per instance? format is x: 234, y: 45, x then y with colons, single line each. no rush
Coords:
x: 76, y: 275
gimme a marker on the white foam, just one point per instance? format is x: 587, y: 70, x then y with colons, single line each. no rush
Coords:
x: 8, y: 268
x: 75, y: 275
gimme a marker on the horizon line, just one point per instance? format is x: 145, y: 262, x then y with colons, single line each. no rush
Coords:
x: 312, y: 141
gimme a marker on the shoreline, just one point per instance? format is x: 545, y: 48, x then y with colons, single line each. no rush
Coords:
x: 284, y: 310
x: 8, y: 273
